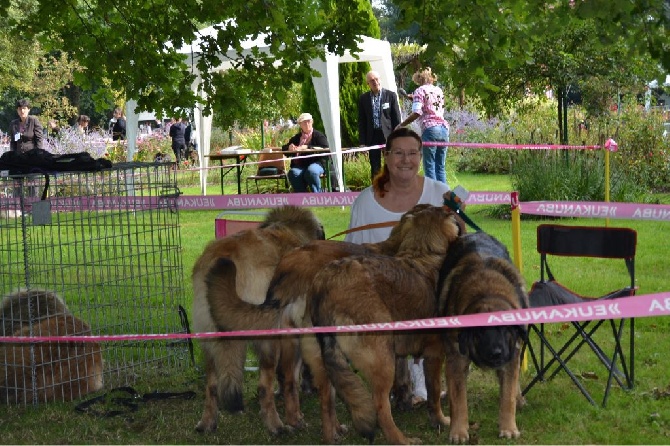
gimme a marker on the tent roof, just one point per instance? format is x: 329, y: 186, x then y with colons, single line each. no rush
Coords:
x: 376, y: 52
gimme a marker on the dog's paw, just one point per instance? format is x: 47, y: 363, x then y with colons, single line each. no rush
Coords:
x: 299, y: 424
x: 205, y: 427
x: 439, y: 420
x: 509, y: 433
x: 459, y: 437
x: 413, y: 440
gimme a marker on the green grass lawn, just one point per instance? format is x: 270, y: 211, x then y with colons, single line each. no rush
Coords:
x: 556, y: 412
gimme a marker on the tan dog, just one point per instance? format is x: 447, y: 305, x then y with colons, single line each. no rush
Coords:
x: 478, y: 277
x: 246, y: 261
x: 62, y: 371
x: 287, y: 306
x: 377, y: 289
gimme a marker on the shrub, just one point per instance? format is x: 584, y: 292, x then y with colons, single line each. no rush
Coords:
x: 69, y: 140
x: 356, y: 171
x: 643, y: 154
x: 154, y: 148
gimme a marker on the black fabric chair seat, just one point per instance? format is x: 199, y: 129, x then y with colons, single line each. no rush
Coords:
x: 556, y: 352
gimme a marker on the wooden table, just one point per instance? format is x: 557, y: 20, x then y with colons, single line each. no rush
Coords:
x: 240, y: 156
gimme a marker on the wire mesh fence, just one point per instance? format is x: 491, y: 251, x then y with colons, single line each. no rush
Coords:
x: 89, y: 253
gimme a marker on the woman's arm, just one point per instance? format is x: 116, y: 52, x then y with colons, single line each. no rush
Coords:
x: 319, y: 140
x: 410, y: 119
x: 37, y: 133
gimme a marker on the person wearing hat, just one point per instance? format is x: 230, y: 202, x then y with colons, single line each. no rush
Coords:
x: 306, y: 172
x: 25, y: 132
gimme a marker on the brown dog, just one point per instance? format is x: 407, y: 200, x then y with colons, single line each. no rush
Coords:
x: 246, y: 261
x: 478, y: 277
x: 49, y: 371
x: 379, y: 289
x: 287, y: 305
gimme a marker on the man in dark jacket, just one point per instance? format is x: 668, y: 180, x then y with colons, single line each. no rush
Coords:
x: 306, y: 171
x: 378, y: 116
x: 177, y: 131
x: 25, y: 132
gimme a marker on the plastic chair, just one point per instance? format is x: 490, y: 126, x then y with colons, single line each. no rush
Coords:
x: 224, y: 225
x: 271, y: 167
x: 555, y: 351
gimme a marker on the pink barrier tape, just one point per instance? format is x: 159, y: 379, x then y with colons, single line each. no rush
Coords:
x: 609, y: 145
x: 472, y: 145
x: 261, y: 201
x: 649, y: 305
x: 223, y: 202
x: 586, y: 209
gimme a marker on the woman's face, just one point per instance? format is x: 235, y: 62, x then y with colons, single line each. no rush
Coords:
x: 404, y: 158
x: 306, y: 126
x: 22, y: 112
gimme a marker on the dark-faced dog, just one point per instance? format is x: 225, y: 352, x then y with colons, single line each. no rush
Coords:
x: 478, y: 276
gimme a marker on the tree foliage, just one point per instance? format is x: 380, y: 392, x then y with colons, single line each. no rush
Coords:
x: 499, y: 50
x: 351, y: 81
x: 134, y: 44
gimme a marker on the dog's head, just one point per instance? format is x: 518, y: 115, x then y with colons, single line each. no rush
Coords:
x: 491, y: 347
x: 301, y: 221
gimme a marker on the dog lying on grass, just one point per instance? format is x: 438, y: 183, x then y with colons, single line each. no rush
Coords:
x: 45, y: 371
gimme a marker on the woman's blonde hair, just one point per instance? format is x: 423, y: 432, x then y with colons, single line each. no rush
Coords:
x: 424, y: 76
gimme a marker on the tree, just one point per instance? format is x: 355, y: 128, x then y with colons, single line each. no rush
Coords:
x: 352, y: 82
x: 245, y: 106
x: 498, y: 51
x: 134, y: 43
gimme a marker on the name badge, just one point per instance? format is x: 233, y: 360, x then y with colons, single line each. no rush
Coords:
x: 17, y: 136
x: 385, y: 105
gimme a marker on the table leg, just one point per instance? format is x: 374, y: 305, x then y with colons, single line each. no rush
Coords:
x: 239, y: 176
x: 328, y: 185
x: 222, y: 175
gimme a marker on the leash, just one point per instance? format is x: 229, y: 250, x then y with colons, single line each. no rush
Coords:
x: 125, y: 400
x: 384, y: 224
x: 454, y: 203
x: 456, y: 197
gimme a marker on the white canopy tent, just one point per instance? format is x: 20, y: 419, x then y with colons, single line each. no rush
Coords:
x: 376, y: 52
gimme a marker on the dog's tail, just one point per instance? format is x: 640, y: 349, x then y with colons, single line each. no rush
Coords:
x: 349, y: 386
x: 229, y: 312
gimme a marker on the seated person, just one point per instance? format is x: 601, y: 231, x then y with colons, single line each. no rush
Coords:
x: 307, y: 171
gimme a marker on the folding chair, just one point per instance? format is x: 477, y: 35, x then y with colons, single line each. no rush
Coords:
x: 271, y: 167
x: 593, y: 242
x: 224, y: 225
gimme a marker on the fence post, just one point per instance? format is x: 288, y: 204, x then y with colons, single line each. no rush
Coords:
x: 516, y: 230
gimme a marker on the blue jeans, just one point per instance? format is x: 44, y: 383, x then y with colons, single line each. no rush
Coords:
x: 301, y: 178
x: 434, y: 157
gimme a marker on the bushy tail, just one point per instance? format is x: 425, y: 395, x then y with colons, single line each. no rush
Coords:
x: 229, y: 312
x: 349, y: 387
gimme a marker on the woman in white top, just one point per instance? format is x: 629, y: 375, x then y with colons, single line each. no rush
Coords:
x: 395, y: 190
